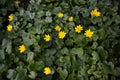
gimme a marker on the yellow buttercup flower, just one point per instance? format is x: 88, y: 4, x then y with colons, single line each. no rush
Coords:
x: 47, y: 38
x: 70, y: 19
x: 9, y: 27
x: 60, y: 15
x: 78, y: 28
x: 95, y: 12
x: 10, y: 18
x: 47, y: 70
x: 61, y: 34
x: 88, y: 33
x: 17, y: 2
x: 57, y: 28
x: 22, y: 48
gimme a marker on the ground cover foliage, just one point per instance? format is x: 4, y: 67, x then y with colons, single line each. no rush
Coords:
x: 59, y: 40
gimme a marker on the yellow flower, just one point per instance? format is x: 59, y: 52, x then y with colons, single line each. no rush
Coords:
x: 95, y: 12
x: 47, y: 38
x: 57, y: 28
x: 22, y: 48
x: 17, y: 2
x: 47, y: 70
x: 10, y: 18
x: 88, y: 33
x: 9, y: 27
x: 78, y: 28
x: 60, y: 15
x: 61, y: 34
x: 70, y: 19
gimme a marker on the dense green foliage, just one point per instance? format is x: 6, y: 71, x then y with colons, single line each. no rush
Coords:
x: 75, y: 57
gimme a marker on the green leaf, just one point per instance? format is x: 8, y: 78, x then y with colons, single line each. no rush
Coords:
x: 28, y: 38
x: 48, y: 13
x: 9, y: 47
x: 78, y: 51
x: 36, y: 66
x: 40, y: 14
x: 76, y: 10
x: 32, y: 1
x: 79, y: 2
x: 32, y: 74
x: 95, y: 56
x: 30, y: 15
x: 11, y: 74
x: 48, y: 1
x: 92, y: 2
x: 48, y: 19
x: 105, y: 77
x: 39, y: 65
x: 84, y: 12
x: 71, y: 76
x: 103, y: 53
x: 94, y: 45
x: 65, y: 5
x: 71, y: 33
x: 116, y: 18
x: 92, y: 78
x: 80, y: 40
x: 116, y: 71
x: 30, y: 56
x: 63, y: 73
x: 59, y: 43
x: 108, y: 67
x: 56, y: 10
x: 69, y: 42
x: 90, y: 71
x: 65, y: 51
x: 95, y: 37
x: 66, y: 60
x: 3, y: 68
x: 21, y: 12
x: 101, y: 33
x: 2, y: 55
x: 4, y: 43
x: 98, y: 74
x: 21, y: 73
